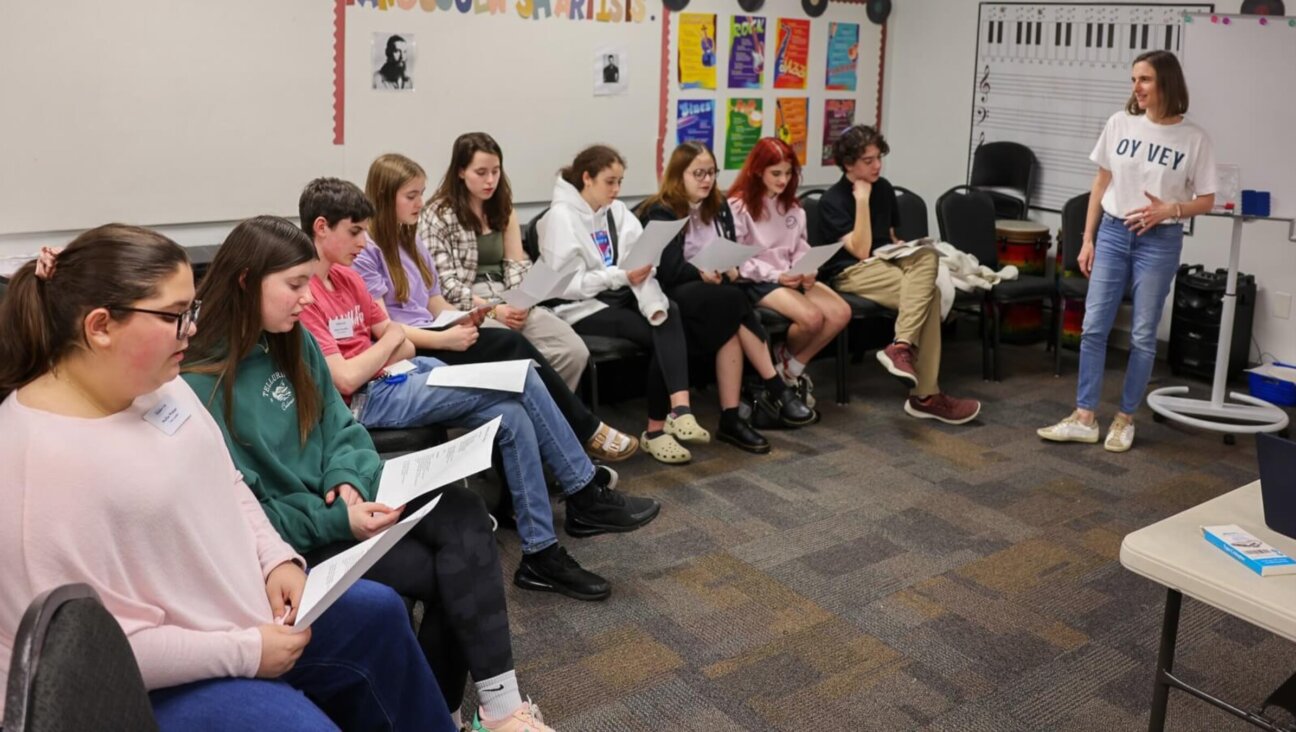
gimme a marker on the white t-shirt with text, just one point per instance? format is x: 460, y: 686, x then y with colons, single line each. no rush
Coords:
x: 1175, y: 163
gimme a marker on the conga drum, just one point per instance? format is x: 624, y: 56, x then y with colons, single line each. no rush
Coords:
x: 1024, y: 245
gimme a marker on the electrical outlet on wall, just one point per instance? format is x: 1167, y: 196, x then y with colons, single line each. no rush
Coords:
x: 1280, y: 305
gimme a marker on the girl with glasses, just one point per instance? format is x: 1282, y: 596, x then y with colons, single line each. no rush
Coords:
x: 718, y: 318
x: 89, y: 357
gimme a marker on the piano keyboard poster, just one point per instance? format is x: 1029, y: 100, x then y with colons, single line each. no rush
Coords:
x: 1049, y: 76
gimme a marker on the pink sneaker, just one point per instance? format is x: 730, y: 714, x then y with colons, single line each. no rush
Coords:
x: 526, y: 718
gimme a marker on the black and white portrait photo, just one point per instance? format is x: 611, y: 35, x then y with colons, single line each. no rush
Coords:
x: 393, y: 61
x: 610, y: 71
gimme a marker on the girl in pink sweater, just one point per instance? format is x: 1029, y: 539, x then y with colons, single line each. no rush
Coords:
x: 116, y: 476
x: 767, y: 215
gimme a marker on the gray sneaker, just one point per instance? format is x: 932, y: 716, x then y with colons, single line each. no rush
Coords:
x: 1070, y: 429
x: 1120, y: 436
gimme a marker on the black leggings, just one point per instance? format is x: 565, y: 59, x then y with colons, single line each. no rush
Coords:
x: 503, y: 344
x: 450, y: 563
x: 668, y: 365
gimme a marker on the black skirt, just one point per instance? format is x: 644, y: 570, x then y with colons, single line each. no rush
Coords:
x: 713, y: 313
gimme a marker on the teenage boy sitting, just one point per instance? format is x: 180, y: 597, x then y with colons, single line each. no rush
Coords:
x: 359, y: 342
x: 861, y: 212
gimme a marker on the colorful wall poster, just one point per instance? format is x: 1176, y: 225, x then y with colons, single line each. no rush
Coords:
x: 839, y: 114
x: 746, y: 52
x: 790, y: 117
x: 697, y: 51
x: 792, y: 60
x: 742, y: 129
x: 843, y: 56
x: 695, y: 122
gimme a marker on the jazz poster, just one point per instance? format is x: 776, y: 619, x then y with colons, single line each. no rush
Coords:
x: 695, y: 122
x: 843, y: 56
x: 839, y: 115
x: 697, y: 51
x: 790, y: 117
x: 743, y: 129
x: 746, y: 52
x: 792, y: 60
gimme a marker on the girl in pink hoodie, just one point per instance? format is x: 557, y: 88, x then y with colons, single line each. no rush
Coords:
x: 767, y: 215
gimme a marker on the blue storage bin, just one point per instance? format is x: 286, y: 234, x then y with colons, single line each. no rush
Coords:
x: 1273, y: 388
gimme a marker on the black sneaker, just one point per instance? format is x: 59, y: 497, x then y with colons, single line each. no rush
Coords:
x: 554, y: 570
x: 739, y: 433
x: 599, y: 509
x: 786, y: 407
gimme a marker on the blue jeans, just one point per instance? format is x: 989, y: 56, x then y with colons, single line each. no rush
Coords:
x: 362, y: 670
x: 532, y: 429
x: 1146, y: 265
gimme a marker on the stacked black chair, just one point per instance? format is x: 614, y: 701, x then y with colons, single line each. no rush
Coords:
x: 1005, y: 165
x: 966, y: 217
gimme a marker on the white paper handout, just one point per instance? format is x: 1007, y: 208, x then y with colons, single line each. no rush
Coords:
x: 497, y: 375
x: 722, y: 255
x: 811, y: 261
x: 648, y: 248
x: 541, y: 283
x: 447, y: 318
x: 332, y: 577
x: 409, y: 476
x: 888, y: 252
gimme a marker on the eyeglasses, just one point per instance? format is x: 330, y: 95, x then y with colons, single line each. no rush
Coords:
x: 182, y: 320
x: 703, y: 173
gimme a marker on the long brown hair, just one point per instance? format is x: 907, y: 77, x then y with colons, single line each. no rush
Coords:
x: 673, y: 195
x: 1171, y: 86
x: 230, y: 324
x: 749, y: 186
x: 41, y: 320
x: 593, y: 160
x: 386, y: 176
x: 453, y: 193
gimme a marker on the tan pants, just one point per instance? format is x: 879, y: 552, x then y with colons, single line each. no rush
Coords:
x: 552, y: 337
x: 908, y: 286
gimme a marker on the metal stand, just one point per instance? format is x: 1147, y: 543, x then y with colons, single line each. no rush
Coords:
x: 1252, y: 415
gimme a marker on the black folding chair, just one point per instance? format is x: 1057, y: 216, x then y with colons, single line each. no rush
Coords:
x: 1010, y: 165
x: 72, y: 668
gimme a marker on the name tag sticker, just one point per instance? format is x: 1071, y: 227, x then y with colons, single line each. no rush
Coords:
x: 341, y: 328
x: 167, y: 416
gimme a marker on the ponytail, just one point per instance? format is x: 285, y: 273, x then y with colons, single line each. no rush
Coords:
x: 41, y: 315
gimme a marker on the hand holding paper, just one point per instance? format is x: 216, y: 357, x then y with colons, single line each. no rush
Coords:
x: 722, y: 255
x: 329, y: 579
x: 648, y: 248
x: 542, y: 283
x: 811, y: 261
x: 451, y: 316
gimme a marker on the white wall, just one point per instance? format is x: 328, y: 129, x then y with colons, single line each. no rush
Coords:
x: 927, y: 98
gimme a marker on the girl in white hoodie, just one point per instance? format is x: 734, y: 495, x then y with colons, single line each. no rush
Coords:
x: 588, y: 230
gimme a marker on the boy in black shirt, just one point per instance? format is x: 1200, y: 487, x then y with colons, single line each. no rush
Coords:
x: 860, y: 210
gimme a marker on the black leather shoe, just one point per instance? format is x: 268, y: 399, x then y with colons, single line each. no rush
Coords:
x: 785, y: 407
x: 741, y: 435
x: 554, y: 570
x: 599, y: 509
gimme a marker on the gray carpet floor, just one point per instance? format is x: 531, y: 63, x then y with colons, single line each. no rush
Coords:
x: 877, y: 572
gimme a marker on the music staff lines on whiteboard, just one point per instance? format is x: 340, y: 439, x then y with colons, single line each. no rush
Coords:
x: 1048, y: 75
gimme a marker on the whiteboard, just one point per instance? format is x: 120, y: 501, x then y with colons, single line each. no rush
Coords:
x: 1243, y: 93
x: 1048, y: 75
x: 161, y: 112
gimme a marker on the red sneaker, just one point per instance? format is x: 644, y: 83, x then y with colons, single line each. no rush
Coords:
x: 898, y: 358
x: 948, y: 409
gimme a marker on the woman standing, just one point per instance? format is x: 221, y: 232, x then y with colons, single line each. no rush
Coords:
x: 1155, y: 169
